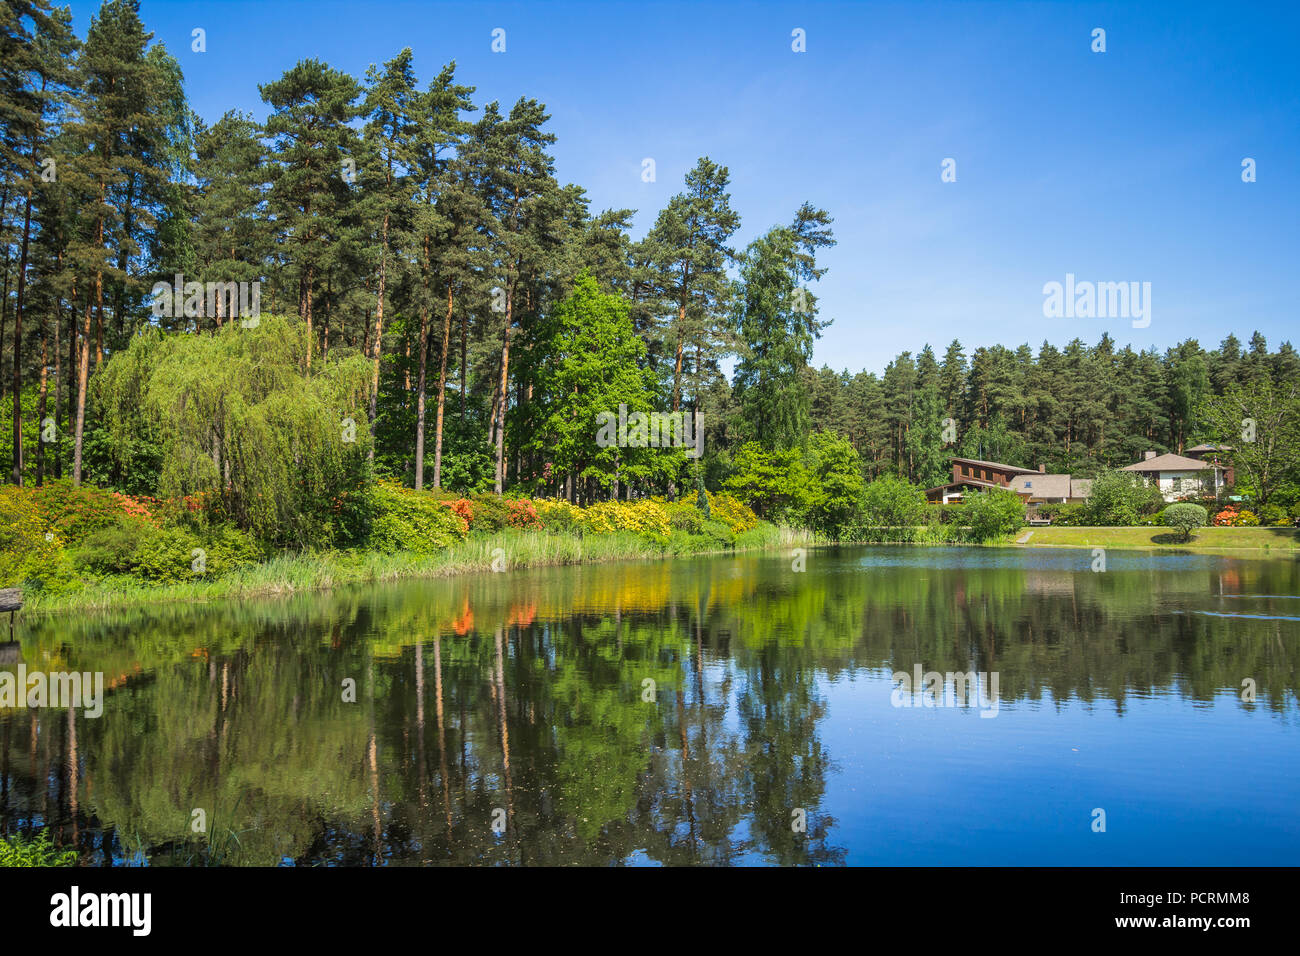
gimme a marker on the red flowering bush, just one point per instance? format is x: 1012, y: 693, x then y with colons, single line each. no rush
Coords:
x: 524, y: 515
x: 1226, y: 518
x: 462, y: 508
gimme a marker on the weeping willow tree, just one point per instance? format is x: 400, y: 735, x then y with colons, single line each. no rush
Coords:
x: 242, y: 425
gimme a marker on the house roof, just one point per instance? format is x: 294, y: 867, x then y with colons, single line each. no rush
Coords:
x: 1001, y: 466
x: 1039, y: 485
x: 1170, y: 462
x: 1210, y: 448
x: 965, y: 482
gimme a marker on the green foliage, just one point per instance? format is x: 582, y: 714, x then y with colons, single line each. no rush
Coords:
x: 836, y: 470
x: 239, y: 418
x: 1185, y: 518
x: 894, y: 504
x: 992, y: 514
x: 171, y: 554
x: 76, y: 512
x: 28, y: 558
x: 491, y: 513
x: 20, y: 852
x: 774, y: 483
x: 1117, y: 500
x: 416, y: 521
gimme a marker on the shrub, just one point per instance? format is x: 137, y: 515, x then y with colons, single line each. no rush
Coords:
x: 732, y: 512
x: 685, y: 517
x: 31, y: 555
x: 1247, y: 519
x: 1116, y: 500
x: 991, y: 514
x: 647, y: 518
x: 1186, y: 518
x: 460, y: 507
x: 523, y: 514
x: 556, y: 515
x: 77, y: 512
x: 1273, y: 515
x: 491, y: 513
x: 112, y: 549
x: 1070, y: 516
x: 408, y: 520
x: 168, y: 556
x: 890, y: 502
x: 20, y: 852
x: 1226, y: 518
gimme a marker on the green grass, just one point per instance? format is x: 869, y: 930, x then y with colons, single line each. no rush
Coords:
x: 1265, y: 542
x: 310, y: 571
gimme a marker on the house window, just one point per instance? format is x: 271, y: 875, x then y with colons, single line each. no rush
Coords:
x: 1028, y: 485
x: 1178, y: 483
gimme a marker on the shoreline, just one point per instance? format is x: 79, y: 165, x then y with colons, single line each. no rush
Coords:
x: 288, y: 574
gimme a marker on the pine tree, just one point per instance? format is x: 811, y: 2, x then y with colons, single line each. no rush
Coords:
x: 315, y: 161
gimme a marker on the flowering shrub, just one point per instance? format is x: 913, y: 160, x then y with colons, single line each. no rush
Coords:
x: 462, y: 508
x: 1226, y: 518
x: 31, y: 555
x: 732, y: 512
x: 556, y: 514
x: 407, y: 520
x: 75, y: 512
x: 1247, y: 519
x: 523, y: 515
x: 646, y: 518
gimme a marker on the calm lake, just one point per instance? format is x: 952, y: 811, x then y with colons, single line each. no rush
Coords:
x: 723, y: 710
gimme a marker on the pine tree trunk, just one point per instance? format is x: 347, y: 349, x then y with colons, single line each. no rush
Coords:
x: 503, y: 390
x: 442, y: 392
x: 677, y: 365
x: 58, y: 381
x: 379, y: 340
x: 83, y: 368
x: 419, y: 396
x: 17, y: 474
x: 40, y: 406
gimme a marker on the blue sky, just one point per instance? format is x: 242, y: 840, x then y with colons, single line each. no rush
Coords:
x: 1116, y: 166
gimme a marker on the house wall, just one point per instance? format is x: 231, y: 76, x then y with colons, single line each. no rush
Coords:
x: 1175, y: 484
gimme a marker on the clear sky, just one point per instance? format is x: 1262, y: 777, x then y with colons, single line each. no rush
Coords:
x: 1115, y: 166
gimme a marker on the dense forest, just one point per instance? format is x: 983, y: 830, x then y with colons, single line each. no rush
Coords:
x: 434, y: 273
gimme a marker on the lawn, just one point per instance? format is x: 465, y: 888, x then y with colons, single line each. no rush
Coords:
x: 1285, y: 541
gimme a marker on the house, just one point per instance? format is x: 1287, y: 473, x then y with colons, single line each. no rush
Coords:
x: 977, y: 475
x: 1178, y: 476
x: 1033, y: 487
x: 1218, y: 454
x: 1044, y: 489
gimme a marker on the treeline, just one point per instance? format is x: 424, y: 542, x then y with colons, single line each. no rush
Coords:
x: 398, y: 222
x: 1081, y: 409
x: 425, y: 238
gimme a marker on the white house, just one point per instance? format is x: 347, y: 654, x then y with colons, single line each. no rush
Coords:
x: 1177, y: 476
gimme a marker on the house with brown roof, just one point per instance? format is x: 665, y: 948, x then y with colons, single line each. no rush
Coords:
x: 1178, y: 476
x: 1033, y: 487
x: 976, y: 475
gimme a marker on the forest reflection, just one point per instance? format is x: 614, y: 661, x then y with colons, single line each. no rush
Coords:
x: 665, y: 712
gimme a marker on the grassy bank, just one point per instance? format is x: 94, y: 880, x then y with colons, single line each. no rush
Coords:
x: 1259, y: 542
x: 510, y: 549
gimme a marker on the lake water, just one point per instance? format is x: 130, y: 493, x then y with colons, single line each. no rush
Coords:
x: 725, y: 710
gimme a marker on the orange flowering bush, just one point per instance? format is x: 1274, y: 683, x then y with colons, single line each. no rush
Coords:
x: 523, y: 514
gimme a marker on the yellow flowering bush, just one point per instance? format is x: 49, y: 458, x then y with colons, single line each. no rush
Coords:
x: 646, y: 518
x: 732, y: 512
x: 557, y: 514
x: 31, y: 555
